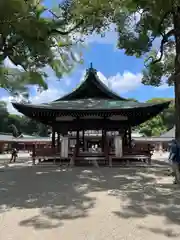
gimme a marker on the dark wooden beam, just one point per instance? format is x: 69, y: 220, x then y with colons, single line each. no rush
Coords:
x: 93, y: 124
x: 77, y: 142
x: 102, y: 140
x: 83, y: 139
x: 58, y: 141
x: 129, y: 136
x: 53, y: 138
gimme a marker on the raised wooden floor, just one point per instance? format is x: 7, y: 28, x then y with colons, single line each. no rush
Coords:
x: 101, y: 161
x: 93, y: 158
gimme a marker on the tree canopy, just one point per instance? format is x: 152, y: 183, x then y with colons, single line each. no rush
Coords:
x: 31, y: 38
x: 148, y: 29
x: 18, y: 124
x: 161, y: 123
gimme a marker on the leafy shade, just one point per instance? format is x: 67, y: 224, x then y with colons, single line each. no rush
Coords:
x: 145, y: 28
x: 30, y: 42
x: 148, y: 29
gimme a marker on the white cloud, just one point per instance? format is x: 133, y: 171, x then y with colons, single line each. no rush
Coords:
x: 44, y: 97
x: 128, y: 81
x: 120, y: 83
x: 125, y: 82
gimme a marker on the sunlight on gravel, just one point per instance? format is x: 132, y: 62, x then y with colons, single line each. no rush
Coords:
x: 49, y: 202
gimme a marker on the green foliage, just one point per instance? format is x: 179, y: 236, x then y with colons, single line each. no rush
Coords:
x: 32, y: 41
x: 161, y: 123
x: 14, y: 130
x: 18, y: 124
x: 141, y: 27
x: 146, y: 29
x: 153, y: 127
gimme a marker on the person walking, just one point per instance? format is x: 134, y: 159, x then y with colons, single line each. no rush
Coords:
x: 174, y: 158
x: 14, y: 155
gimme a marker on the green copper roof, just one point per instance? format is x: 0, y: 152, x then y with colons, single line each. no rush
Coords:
x: 91, y: 104
x: 91, y: 87
x: 136, y: 113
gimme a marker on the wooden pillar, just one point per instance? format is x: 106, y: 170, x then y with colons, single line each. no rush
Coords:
x: 58, y: 142
x: 106, y: 146
x: 103, y: 139
x: 77, y: 142
x: 125, y: 140
x: 33, y: 153
x: 53, y: 138
x: 129, y: 136
x: 83, y: 139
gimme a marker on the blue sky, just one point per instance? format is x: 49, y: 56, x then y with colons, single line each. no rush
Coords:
x: 118, y: 71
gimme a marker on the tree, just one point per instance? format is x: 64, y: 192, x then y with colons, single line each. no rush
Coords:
x: 14, y: 130
x: 153, y: 127
x: 31, y: 41
x: 3, y: 116
x: 161, y: 123
x: 18, y: 125
x: 140, y: 25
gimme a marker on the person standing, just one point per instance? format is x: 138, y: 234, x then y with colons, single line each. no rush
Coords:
x: 174, y: 158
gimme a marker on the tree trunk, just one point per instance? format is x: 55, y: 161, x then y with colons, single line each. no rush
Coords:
x: 177, y: 76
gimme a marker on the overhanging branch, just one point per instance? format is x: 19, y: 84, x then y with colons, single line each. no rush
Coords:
x: 56, y: 31
x: 164, y: 40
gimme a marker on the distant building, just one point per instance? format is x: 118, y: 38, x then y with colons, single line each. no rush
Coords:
x: 24, y: 142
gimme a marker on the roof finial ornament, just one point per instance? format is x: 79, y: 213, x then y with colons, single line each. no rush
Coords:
x: 91, y: 69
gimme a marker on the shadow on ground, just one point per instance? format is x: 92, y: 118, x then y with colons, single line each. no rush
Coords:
x: 62, y: 194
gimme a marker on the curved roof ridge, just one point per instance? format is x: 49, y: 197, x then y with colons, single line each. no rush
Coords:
x: 108, y: 89
x: 92, y: 78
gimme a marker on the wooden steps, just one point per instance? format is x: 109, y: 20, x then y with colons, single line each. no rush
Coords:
x: 85, y: 161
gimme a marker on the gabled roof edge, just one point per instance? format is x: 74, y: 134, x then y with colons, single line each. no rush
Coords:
x: 98, y: 83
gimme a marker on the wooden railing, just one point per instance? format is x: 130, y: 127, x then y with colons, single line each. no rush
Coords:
x: 49, y: 154
x: 44, y: 153
x: 138, y: 150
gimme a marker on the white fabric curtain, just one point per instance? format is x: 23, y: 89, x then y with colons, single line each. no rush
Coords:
x: 64, y: 147
x: 118, y: 146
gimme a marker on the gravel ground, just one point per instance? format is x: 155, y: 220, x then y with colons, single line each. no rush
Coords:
x: 43, y: 202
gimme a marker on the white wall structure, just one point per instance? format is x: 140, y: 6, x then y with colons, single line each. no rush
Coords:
x: 64, y: 147
x: 118, y: 146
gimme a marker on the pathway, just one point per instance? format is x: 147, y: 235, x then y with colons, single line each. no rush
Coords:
x: 45, y: 203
